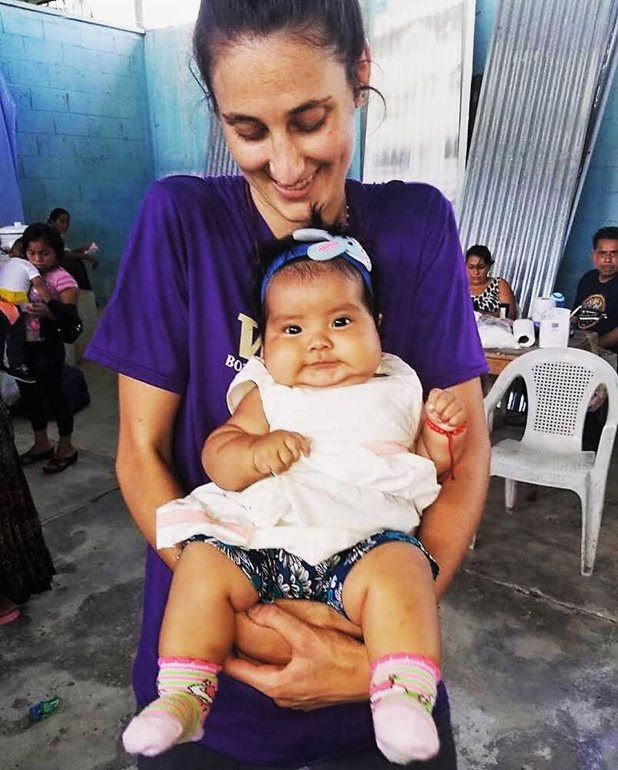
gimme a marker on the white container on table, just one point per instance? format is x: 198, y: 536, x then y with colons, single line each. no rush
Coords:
x: 555, y: 327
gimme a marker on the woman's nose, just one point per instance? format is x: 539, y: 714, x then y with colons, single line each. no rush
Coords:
x: 286, y: 161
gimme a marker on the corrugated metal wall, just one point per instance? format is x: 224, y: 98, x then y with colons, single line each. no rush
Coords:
x: 542, y: 87
x: 422, y: 65
x: 219, y: 162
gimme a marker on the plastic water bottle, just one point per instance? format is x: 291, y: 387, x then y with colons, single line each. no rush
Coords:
x: 559, y: 298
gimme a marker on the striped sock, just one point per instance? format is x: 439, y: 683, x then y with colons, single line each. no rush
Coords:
x: 186, y: 691
x: 402, y: 695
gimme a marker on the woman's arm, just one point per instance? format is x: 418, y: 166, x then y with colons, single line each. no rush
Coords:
x: 144, y: 459
x: 69, y: 296
x: 449, y: 524
x: 53, y: 309
x: 507, y: 297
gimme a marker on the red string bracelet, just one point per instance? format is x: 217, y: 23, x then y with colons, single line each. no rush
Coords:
x: 449, y: 437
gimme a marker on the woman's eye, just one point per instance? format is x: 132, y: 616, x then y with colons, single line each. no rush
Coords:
x: 292, y: 329
x: 340, y: 322
x: 250, y: 133
x: 307, y: 126
x: 310, y: 120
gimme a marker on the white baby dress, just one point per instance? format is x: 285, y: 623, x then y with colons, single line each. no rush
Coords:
x: 359, y: 478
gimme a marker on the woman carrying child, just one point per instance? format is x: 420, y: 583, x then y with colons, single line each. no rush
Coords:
x: 285, y: 78
x: 45, y: 354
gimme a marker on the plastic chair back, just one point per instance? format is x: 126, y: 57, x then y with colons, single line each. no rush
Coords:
x: 560, y: 383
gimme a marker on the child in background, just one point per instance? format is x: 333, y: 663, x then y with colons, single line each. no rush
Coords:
x: 320, y: 477
x: 17, y: 277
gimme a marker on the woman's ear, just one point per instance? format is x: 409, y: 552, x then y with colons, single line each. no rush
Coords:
x: 363, y: 77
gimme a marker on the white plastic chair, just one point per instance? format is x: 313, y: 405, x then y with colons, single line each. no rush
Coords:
x: 560, y: 383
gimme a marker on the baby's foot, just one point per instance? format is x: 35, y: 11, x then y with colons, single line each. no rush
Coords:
x: 173, y: 718
x: 404, y: 729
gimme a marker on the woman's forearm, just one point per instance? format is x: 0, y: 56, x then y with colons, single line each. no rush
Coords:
x: 448, y: 526
x: 147, y: 482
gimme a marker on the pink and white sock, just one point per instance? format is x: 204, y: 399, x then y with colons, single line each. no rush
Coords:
x: 186, y: 691
x: 402, y: 695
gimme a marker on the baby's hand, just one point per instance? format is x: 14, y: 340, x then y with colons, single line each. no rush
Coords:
x: 445, y: 409
x: 277, y: 451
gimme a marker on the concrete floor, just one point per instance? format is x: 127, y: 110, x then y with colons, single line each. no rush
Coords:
x: 531, y: 648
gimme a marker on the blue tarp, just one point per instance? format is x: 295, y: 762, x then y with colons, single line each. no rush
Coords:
x: 11, y: 209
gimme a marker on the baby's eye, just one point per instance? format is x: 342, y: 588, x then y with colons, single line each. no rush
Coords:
x: 341, y: 321
x: 292, y: 329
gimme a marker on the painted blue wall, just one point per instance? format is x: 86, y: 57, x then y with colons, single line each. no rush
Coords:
x: 598, y: 204
x: 83, y: 133
x: 179, y: 115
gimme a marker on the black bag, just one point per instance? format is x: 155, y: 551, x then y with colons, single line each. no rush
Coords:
x: 75, y: 389
x: 66, y: 322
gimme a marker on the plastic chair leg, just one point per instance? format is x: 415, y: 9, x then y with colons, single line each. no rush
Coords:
x: 591, y: 526
x: 510, y: 494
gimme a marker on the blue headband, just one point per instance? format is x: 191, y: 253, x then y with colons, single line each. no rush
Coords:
x: 321, y: 246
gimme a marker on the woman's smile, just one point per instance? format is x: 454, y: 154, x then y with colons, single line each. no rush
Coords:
x: 290, y: 128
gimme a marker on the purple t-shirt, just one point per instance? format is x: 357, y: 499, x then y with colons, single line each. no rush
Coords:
x: 180, y: 319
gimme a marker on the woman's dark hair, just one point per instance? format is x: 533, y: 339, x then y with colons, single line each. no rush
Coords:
x: 335, y: 26
x: 55, y: 214
x: 41, y: 231
x: 482, y: 252
x: 306, y: 269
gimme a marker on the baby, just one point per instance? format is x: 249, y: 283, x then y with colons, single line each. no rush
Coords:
x: 320, y: 477
x: 17, y: 277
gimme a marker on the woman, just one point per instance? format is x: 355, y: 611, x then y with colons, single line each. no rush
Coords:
x: 74, y: 262
x: 488, y: 294
x: 73, y: 259
x: 285, y: 79
x: 25, y: 564
x: 44, y: 353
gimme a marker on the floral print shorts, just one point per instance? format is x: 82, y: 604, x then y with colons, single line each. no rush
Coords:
x: 278, y: 574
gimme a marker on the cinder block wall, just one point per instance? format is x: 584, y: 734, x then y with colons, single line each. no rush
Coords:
x: 179, y: 117
x: 83, y: 132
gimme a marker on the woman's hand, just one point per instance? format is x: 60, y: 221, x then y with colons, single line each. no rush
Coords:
x: 309, y: 657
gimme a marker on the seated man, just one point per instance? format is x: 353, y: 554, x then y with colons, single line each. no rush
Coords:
x: 597, y: 291
x: 597, y: 294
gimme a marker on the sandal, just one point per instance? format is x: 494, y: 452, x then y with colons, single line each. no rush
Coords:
x: 29, y: 457
x: 58, y: 464
x: 8, y: 612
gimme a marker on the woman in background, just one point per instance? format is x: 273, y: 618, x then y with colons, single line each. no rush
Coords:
x: 26, y: 566
x: 45, y: 351
x: 74, y: 262
x: 488, y: 293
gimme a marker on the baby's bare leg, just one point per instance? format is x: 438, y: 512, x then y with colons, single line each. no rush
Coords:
x: 196, y: 636
x: 390, y: 594
x: 207, y: 589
